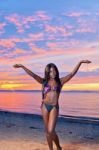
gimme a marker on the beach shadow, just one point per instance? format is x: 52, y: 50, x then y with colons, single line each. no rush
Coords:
x: 34, y: 127
x: 9, y: 125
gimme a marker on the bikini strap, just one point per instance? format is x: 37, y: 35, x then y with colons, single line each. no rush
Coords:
x: 43, y: 84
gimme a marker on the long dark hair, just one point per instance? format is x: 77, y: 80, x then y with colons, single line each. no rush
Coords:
x: 47, y: 76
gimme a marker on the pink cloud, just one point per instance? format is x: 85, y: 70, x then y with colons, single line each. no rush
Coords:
x: 55, y: 49
x: 35, y: 37
x: 7, y: 43
x: 11, y: 42
x: 64, y: 44
x: 77, y: 14
x: 42, y: 16
x: 19, y: 51
x: 84, y: 30
x: 52, y: 45
x: 36, y: 49
x: 49, y: 28
x: 22, y: 22
x: 86, y: 26
x: 56, y: 29
x: 15, y: 19
x: 37, y: 53
x: 2, y: 25
x: 68, y: 26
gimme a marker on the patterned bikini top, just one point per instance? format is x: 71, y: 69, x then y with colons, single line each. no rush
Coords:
x: 48, y: 88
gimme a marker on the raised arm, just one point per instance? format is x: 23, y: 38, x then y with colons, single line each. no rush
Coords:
x: 69, y: 76
x: 35, y: 76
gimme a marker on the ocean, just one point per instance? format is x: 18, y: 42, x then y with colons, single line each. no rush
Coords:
x: 70, y: 103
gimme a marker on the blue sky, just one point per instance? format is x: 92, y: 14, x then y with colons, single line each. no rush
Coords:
x: 35, y: 33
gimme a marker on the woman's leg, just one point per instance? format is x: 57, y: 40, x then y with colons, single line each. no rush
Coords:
x: 45, y: 115
x: 52, y: 136
x: 56, y: 141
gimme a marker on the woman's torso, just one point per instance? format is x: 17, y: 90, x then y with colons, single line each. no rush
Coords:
x: 52, y: 96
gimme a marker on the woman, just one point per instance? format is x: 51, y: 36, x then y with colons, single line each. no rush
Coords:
x: 51, y: 88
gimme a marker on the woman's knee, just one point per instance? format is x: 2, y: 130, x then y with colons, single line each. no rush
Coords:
x: 50, y: 133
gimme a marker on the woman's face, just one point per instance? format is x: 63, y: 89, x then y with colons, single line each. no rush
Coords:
x: 52, y: 72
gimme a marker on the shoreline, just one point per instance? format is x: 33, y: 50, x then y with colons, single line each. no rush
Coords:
x: 69, y: 118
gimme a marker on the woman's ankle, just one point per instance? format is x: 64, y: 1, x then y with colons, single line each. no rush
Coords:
x: 59, y: 147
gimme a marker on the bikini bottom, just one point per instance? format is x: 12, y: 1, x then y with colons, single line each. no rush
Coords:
x: 49, y: 107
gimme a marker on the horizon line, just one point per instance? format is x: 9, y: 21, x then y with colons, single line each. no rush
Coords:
x: 40, y: 90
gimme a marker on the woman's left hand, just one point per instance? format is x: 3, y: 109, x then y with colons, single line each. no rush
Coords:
x: 86, y: 61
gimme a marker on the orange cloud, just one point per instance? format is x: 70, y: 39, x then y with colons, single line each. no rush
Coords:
x: 19, y: 51
x: 20, y: 86
x: 42, y: 54
x: 91, y: 86
x: 87, y: 79
x: 7, y: 43
x: 35, y: 86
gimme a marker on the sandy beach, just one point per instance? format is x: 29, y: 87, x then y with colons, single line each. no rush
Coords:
x: 20, y: 131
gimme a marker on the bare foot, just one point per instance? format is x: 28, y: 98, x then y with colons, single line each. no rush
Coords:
x: 59, y: 148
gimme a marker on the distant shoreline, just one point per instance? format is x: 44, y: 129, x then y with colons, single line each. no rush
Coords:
x: 80, y: 91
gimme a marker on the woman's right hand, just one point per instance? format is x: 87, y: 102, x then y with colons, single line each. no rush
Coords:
x: 17, y: 66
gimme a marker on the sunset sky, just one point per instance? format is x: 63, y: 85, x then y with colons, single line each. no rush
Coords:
x: 35, y: 33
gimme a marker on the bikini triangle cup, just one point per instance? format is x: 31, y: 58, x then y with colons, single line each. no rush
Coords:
x: 47, y: 88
